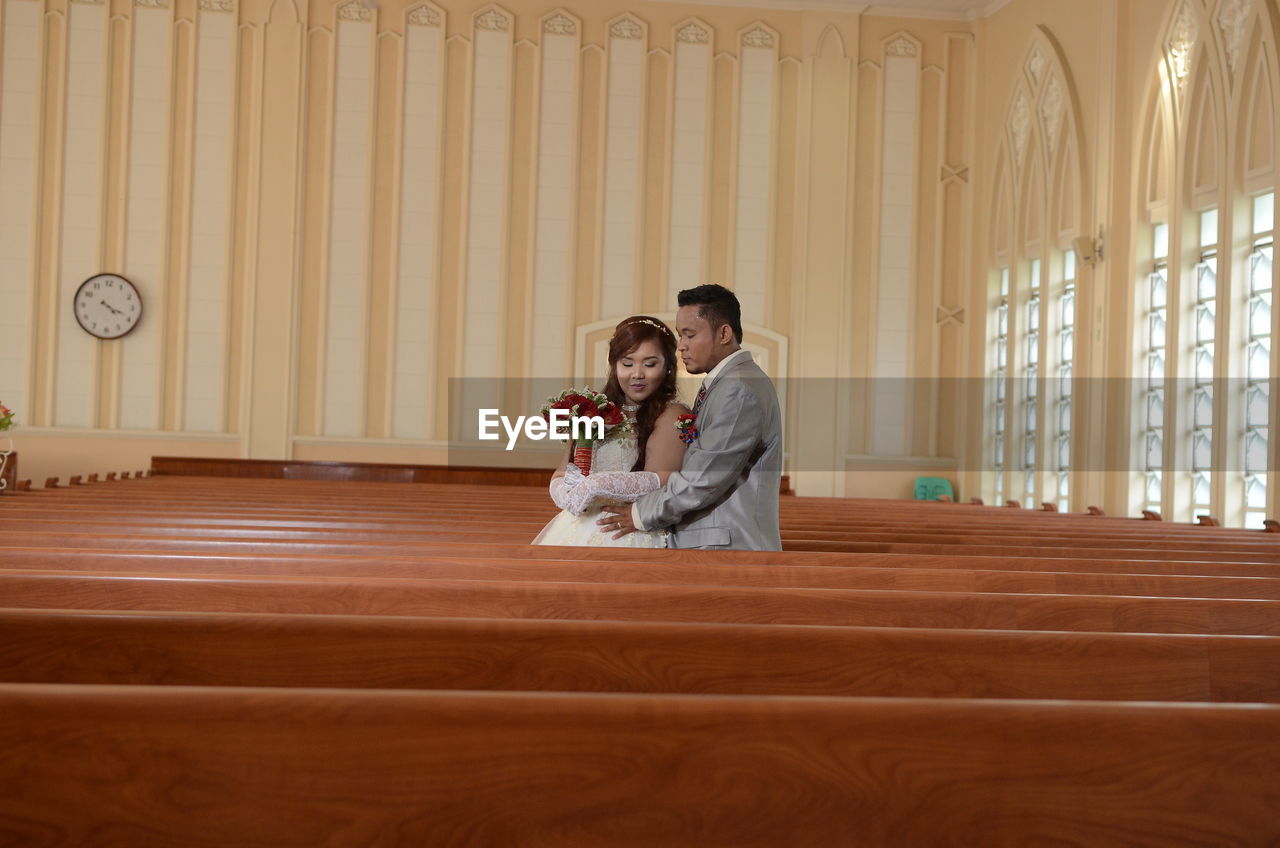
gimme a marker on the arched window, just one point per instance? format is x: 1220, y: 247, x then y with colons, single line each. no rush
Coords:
x: 1037, y: 213
x: 1000, y: 384
x: 1202, y: 321
x: 1257, y: 353
x: 1030, y: 384
x: 1201, y: 318
x: 1153, y: 331
x: 1064, y: 385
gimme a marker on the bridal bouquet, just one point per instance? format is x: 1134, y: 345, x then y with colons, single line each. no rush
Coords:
x: 6, y: 418
x: 588, y: 403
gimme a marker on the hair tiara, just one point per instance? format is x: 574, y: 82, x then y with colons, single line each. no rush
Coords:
x: 651, y: 323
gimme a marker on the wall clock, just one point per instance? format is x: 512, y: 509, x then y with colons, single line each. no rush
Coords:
x: 108, y: 306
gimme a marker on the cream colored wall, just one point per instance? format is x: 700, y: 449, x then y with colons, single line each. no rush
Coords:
x: 332, y: 211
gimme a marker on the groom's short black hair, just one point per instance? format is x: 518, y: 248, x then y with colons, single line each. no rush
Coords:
x: 717, y: 305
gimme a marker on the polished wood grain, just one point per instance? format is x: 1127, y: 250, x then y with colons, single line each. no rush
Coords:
x: 357, y: 471
x: 430, y: 523
x: 904, y: 673
x: 142, y: 766
x: 637, y: 602
x: 887, y: 572
x: 216, y: 649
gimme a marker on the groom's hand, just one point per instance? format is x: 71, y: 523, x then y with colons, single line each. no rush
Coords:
x: 616, y: 517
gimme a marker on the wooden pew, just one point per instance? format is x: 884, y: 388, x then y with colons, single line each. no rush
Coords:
x: 15, y: 553
x: 249, y: 524
x: 636, y: 602
x: 269, y: 541
x: 850, y: 513
x: 884, y: 680
x: 439, y: 522
x: 216, y: 767
x: 854, y: 572
x: 387, y: 652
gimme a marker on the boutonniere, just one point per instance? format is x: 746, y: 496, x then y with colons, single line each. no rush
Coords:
x: 687, y: 427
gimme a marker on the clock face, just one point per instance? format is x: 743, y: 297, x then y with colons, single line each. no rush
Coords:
x: 108, y: 306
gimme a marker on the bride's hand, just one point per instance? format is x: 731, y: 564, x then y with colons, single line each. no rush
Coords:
x: 573, y: 475
x: 617, y: 518
x: 562, y: 487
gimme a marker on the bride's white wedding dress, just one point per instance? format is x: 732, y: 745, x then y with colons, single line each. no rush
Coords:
x: 569, y: 529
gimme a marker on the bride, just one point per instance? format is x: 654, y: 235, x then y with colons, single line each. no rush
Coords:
x: 642, y: 382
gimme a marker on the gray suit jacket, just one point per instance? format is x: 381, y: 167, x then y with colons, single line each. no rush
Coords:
x: 725, y: 495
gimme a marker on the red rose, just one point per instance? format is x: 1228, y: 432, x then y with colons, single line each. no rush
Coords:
x: 612, y: 415
x: 588, y: 409
x: 546, y: 413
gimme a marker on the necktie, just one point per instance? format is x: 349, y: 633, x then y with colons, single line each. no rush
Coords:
x: 702, y: 395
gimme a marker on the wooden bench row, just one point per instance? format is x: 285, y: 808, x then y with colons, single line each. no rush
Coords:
x: 389, y: 652
x: 525, y: 515
x: 429, y: 540
x: 291, y: 664
x: 852, y: 572
x: 138, y: 534
x: 636, y: 602
x: 102, y: 517
x: 148, y: 766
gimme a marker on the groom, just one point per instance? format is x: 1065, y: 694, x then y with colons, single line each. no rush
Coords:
x: 725, y: 494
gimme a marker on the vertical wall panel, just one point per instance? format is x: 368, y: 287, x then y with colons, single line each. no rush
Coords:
x: 551, y: 338
x: 19, y: 100
x: 755, y: 150
x: 897, y: 226
x: 272, y: 285
x: 348, y: 282
x: 483, y: 349
x: 624, y: 151
x: 149, y: 118
x: 416, y: 325
x: 75, y: 390
x: 317, y: 176
x: 209, y: 271
x: 689, y: 137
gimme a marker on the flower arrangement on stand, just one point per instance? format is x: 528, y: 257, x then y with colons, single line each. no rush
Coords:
x: 588, y: 403
x: 6, y: 424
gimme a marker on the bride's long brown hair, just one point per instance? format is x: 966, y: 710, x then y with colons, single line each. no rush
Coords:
x: 627, y: 336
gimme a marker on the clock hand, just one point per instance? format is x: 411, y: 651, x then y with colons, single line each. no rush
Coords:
x: 112, y: 308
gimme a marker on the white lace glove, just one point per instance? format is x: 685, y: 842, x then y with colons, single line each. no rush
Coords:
x: 560, y: 487
x: 611, y: 487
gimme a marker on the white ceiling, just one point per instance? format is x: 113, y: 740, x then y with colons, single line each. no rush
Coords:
x: 946, y: 9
